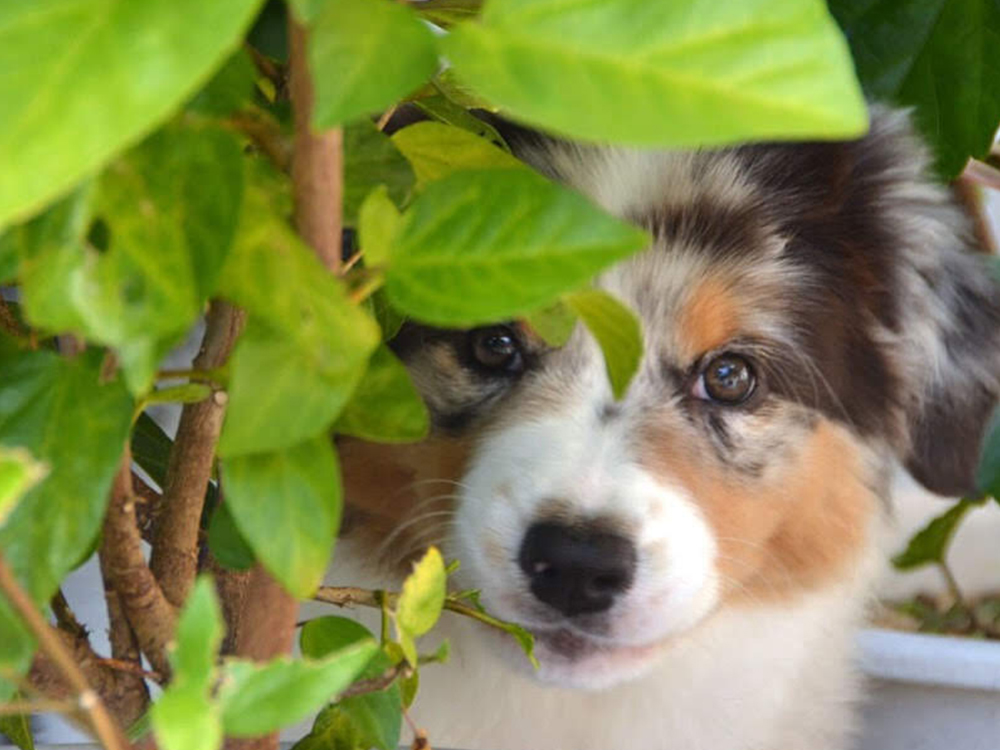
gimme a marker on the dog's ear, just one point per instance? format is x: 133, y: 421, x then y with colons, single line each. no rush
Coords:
x: 957, y: 381
x: 893, y: 252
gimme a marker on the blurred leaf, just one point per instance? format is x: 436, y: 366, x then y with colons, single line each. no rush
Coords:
x: 938, y: 56
x: 261, y: 698
x: 186, y: 717
x: 371, y: 159
x: 57, y: 410
x: 930, y: 544
x: 18, y: 731
x: 229, y: 90
x: 422, y: 598
x: 485, y: 245
x: 324, y: 635
x: 188, y: 393
x: 435, y: 150
x: 364, y: 55
x: 94, y: 76
x: 386, y: 407
x: 408, y: 687
x: 445, y: 13
x: 228, y: 546
x: 617, y: 330
x: 179, y: 192
x: 554, y: 324
x: 306, y: 345
x: 19, y: 472
x: 378, y: 221
x: 377, y: 717
x: 680, y: 73
x: 389, y: 319
x: 286, y: 505
x: 988, y: 471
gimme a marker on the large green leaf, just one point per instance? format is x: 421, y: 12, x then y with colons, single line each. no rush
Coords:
x: 678, y: 73
x: 941, y: 57
x: 483, y: 245
x: 186, y: 717
x: 435, y: 150
x: 378, y: 220
x: 286, y: 504
x: 371, y: 159
x: 930, y: 544
x: 61, y: 413
x: 386, y: 407
x: 257, y: 699
x: 324, y: 635
x: 19, y: 472
x: 617, y: 330
x: 80, y: 79
x: 306, y: 344
x: 364, y: 55
x: 179, y: 193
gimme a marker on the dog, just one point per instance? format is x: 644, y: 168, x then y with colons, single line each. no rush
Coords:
x: 693, y: 559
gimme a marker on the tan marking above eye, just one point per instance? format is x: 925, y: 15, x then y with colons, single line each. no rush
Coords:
x: 709, y: 317
x: 784, y: 534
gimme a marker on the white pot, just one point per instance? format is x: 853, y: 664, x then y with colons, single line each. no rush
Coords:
x: 930, y: 692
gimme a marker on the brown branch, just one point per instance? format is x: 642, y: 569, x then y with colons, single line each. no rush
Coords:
x: 8, y: 322
x: 375, y: 684
x: 65, y: 619
x: 317, y: 162
x: 39, y: 706
x: 174, y: 561
x: 52, y: 645
x: 148, y: 507
x: 266, y: 66
x: 131, y: 668
x: 126, y: 573
x: 267, y: 136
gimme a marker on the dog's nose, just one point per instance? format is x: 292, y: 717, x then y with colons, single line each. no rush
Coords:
x: 576, y: 570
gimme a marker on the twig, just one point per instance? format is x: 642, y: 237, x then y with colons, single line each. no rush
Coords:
x: 970, y: 195
x: 148, y: 507
x: 266, y: 66
x: 267, y: 136
x: 7, y: 320
x: 107, y: 730
x: 174, y: 560
x: 146, y: 608
x: 317, y: 162
x: 65, y: 619
x: 982, y: 173
x: 375, y: 684
x: 386, y: 116
x: 39, y: 706
x: 129, y: 667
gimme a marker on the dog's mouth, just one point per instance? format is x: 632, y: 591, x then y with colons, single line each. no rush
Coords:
x: 570, y: 646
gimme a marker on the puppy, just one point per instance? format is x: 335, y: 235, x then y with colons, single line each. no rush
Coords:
x: 694, y: 558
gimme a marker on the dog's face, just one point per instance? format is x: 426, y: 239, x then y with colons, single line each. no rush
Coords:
x: 810, y: 319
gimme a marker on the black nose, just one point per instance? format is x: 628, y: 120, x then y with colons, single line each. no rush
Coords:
x: 576, y: 570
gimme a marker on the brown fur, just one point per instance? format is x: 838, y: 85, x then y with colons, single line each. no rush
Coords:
x: 795, y: 529
x: 710, y: 317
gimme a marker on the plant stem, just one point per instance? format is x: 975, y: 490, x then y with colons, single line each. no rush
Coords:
x: 952, y: 584
x: 40, y: 706
x: 105, y: 728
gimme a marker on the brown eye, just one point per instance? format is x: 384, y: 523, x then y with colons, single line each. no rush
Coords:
x: 728, y: 379
x: 496, y: 348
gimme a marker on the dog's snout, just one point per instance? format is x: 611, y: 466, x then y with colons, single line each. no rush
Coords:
x: 576, y: 570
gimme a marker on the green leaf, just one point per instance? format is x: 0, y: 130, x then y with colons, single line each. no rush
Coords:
x: 422, y: 598
x: 332, y: 730
x: 180, y: 193
x: 378, y: 221
x: 94, y: 76
x: 679, y: 73
x: 286, y: 504
x: 435, y: 150
x: 389, y: 319
x: 230, y: 89
x: 554, y: 324
x: 939, y: 56
x: 371, y: 159
x: 485, y: 245
x: 59, y: 411
x: 306, y: 345
x: 930, y: 544
x: 188, y: 393
x: 988, y: 471
x: 617, y: 330
x: 186, y: 717
x: 257, y: 699
x: 228, y: 546
x: 18, y: 731
x: 324, y: 635
x: 19, y: 472
x: 386, y: 407
x: 377, y: 717
x: 364, y: 55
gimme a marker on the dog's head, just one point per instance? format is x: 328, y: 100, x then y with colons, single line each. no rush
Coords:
x: 812, y: 316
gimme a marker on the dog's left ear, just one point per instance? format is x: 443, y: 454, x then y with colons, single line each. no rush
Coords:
x: 956, y: 381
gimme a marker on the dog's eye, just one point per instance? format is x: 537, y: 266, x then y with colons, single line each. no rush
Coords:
x: 727, y: 379
x: 497, y: 348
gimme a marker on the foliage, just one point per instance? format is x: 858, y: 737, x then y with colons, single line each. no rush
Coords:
x: 146, y: 175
